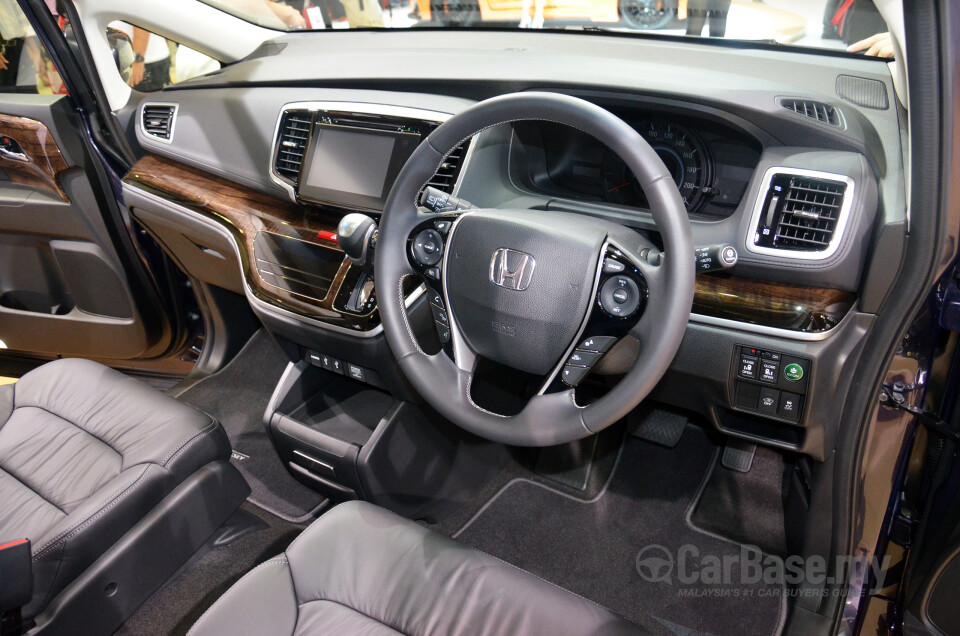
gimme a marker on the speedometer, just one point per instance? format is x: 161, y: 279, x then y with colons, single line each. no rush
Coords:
x: 685, y: 156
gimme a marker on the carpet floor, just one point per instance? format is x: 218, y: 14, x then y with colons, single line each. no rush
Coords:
x: 631, y: 548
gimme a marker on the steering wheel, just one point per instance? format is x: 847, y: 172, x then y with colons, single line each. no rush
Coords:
x: 546, y: 293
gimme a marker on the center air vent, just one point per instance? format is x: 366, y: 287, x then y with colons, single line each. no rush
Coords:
x: 294, y: 133
x: 158, y: 120
x: 824, y: 113
x: 446, y: 175
x: 802, y: 213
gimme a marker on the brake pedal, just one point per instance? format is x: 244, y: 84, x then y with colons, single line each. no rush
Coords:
x: 738, y: 455
x: 661, y: 427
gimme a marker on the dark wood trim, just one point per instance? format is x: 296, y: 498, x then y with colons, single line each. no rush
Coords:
x: 44, y: 163
x: 246, y: 212
x: 794, y: 307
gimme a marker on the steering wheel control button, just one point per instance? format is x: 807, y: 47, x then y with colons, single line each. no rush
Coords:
x: 440, y: 316
x: 443, y: 332
x: 620, y: 296
x: 583, y: 358
x: 428, y: 247
x: 597, y: 344
x: 572, y: 375
x: 435, y: 298
x: 768, y: 371
x: 443, y: 226
x: 769, y: 401
x: 432, y: 272
x: 793, y: 372
x: 611, y: 266
x: 748, y: 367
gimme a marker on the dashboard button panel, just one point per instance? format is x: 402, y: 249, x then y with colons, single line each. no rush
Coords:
x: 770, y: 383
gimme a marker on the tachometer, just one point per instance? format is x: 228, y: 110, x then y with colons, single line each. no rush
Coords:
x: 685, y: 155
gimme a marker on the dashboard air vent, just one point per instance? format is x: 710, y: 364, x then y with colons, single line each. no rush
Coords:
x: 446, y: 176
x: 801, y: 213
x: 158, y: 120
x: 824, y: 113
x: 294, y: 133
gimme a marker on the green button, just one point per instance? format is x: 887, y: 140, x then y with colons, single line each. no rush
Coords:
x: 793, y: 372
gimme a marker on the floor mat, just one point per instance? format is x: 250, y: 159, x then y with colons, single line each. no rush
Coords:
x: 630, y: 548
x: 746, y: 507
x: 181, y: 602
x: 237, y: 395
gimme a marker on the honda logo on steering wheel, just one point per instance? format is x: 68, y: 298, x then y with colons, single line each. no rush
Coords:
x: 512, y: 269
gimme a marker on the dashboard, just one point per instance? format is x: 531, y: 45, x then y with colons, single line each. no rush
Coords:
x: 269, y: 154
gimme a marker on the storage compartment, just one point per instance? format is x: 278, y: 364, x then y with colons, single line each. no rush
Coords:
x: 760, y: 429
x: 30, y: 278
x: 347, y: 439
x: 320, y: 421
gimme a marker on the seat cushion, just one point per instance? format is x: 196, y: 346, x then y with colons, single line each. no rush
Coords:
x: 360, y: 569
x: 85, y: 453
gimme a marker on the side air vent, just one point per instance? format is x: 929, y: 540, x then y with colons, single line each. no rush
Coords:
x: 158, y: 121
x: 823, y: 113
x: 802, y: 214
x: 446, y: 176
x: 294, y: 133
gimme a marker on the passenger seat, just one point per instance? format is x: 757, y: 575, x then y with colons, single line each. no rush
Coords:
x: 115, y: 484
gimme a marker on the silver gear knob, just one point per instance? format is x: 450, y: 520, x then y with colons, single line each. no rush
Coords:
x: 355, y: 233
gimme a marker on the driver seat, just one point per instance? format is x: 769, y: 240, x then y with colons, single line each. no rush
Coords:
x: 360, y: 569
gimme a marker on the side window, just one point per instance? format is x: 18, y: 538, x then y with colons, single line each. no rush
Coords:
x: 148, y: 62
x: 25, y: 66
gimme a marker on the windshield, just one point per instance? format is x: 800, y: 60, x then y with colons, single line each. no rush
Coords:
x: 845, y: 25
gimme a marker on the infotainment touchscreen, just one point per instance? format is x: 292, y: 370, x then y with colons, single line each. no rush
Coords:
x: 353, y: 166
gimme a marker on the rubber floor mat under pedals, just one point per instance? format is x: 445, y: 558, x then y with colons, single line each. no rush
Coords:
x: 738, y: 455
x: 661, y: 427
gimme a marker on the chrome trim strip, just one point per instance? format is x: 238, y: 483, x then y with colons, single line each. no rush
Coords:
x: 591, y: 307
x: 775, y: 332
x: 251, y: 298
x: 842, y: 217
x: 173, y: 121
x: 352, y: 107
x: 463, y: 356
x: 463, y: 166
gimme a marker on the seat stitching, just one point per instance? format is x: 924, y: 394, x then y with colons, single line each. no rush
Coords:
x: 7, y: 471
x: 116, y: 497
x: 277, y: 559
x: 352, y: 609
x: 189, y: 438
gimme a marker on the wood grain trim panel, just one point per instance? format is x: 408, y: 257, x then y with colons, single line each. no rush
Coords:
x: 246, y: 212
x: 793, y: 307
x: 44, y: 163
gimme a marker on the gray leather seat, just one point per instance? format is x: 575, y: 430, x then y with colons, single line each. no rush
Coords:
x: 360, y: 569
x: 85, y: 453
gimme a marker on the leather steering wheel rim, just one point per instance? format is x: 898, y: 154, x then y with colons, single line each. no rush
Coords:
x: 552, y: 418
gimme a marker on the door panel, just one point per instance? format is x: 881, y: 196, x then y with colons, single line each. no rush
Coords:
x: 62, y: 287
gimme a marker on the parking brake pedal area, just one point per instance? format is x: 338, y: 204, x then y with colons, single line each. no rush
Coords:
x: 661, y: 427
x: 738, y: 455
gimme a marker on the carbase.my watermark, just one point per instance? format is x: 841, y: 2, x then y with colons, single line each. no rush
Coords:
x: 690, y: 566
